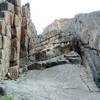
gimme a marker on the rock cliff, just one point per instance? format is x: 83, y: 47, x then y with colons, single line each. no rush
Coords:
x: 59, y: 34
x: 16, y: 32
x: 59, y: 38
x: 21, y: 47
x: 71, y: 45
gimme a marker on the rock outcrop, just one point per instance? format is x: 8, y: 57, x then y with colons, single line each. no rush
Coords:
x: 16, y: 32
x: 59, y: 38
x: 60, y: 33
x: 28, y: 33
x: 73, y: 42
x: 85, y: 26
x: 10, y: 30
x: 21, y: 47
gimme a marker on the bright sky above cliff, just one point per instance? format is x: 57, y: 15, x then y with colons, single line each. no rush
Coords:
x: 44, y: 12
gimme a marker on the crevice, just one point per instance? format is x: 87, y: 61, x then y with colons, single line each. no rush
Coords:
x: 85, y: 83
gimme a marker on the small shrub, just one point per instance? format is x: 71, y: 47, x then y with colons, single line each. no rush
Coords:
x: 7, y: 98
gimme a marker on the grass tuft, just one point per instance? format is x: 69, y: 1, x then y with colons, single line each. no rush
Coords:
x: 7, y: 98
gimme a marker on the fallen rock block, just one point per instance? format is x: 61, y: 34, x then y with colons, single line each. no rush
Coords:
x: 2, y: 92
x: 44, y: 65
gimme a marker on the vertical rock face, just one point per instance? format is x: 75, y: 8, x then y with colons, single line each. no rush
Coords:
x: 16, y: 32
x: 28, y: 32
x: 10, y: 30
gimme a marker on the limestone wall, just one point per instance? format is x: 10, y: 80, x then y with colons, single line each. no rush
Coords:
x: 28, y: 33
x: 20, y: 45
x: 16, y: 36
x: 10, y: 23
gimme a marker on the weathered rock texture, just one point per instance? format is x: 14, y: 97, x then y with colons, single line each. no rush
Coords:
x: 16, y: 31
x: 60, y: 33
x: 85, y: 26
x: 21, y: 48
x: 20, y: 45
x: 10, y: 30
x: 61, y: 37
x: 28, y: 33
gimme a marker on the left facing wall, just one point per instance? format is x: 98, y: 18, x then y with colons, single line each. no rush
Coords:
x: 12, y: 33
x: 10, y: 30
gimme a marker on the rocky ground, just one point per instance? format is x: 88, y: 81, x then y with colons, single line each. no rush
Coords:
x: 62, y: 82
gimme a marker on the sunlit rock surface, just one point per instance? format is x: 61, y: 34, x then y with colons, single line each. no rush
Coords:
x: 21, y: 49
x: 63, y: 82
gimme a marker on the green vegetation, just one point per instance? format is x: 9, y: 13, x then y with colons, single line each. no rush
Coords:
x: 7, y: 98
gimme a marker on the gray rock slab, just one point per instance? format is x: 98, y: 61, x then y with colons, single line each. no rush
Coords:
x: 64, y: 82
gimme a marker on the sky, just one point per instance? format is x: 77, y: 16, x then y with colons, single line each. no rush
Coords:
x: 44, y: 12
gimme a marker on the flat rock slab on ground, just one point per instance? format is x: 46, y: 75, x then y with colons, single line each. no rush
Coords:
x: 63, y: 82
